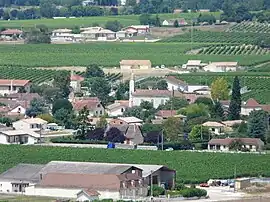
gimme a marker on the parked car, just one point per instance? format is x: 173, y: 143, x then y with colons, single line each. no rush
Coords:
x: 204, y: 185
x: 231, y: 185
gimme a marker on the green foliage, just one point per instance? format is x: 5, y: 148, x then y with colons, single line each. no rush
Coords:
x: 157, y: 191
x: 61, y: 80
x: 114, y: 26
x: 217, y: 111
x: 149, y: 127
x: 61, y: 104
x: 47, y: 117
x: 199, y: 132
x: 257, y: 124
x: 173, y: 128
x: 102, y: 122
x: 179, y: 186
x: 219, y: 89
x: 100, y: 88
x: 235, y: 104
x: 162, y: 85
x: 174, y: 104
x: 65, y: 117
x: 192, y: 192
x: 236, y: 145
x: 206, y: 18
x: 175, y: 23
x: 38, y: 36
x: 37, y: 107
x: 195, y: 110
x: 94, y: 70
x: 82, y: 124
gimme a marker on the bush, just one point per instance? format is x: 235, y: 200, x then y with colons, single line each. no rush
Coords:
x: 184, y: 145
x: 157, y: 191
x: 71, y: 140
x: 179, y: 186
x: 174, y: 193
x: 193, y: 192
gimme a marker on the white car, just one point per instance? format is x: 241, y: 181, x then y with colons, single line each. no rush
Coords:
x: 169, y: 149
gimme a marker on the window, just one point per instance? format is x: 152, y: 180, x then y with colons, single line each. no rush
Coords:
x: 96, y: 112
x: 98, y: 105
x: 213, y: 129
x: 152, y: 100
x: 100, y: 112
x: 122, y: 109
x: 32, y: 126
x: 121, y: 122
x: 162, y: 102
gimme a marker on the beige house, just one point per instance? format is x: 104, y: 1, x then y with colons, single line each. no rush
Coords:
x: 215, y: 128
x: 253, y: 144
x: 10, y: 86
x: 135, y: 64
x: 194, y: 65
x: 61, y: 32
x: 93, y: 104
x: 33, y: 124
x: 98, y: 33
x: 19, y: 137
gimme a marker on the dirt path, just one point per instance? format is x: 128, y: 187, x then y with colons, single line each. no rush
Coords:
x: 262, y: 64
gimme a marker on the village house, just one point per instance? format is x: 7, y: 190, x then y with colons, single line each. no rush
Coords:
x: 247, y: 107
x: 117, y: 108
x: 215, y: 128
x: 75, y: 82
x: 61, y: 32
x: 26, y: 137
x: 221, y: 67
x: 68, y: 179
x: 132, y: 132
x: 126, y: 34
x: 253, y: 144
x: 93, y: 104
x: 175, y: 84
x: 87, y: 195
x: 11, y: 33
x: 135, y: 64
x: 181, y: 22
x: 33, y: 124
x: 98, y: 33
x: 163, y: 115
x: 194, y: 65
x: 10, y: 86
x: 140, y: 29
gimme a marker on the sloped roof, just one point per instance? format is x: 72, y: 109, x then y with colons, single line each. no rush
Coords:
x: 212, y: 124
x: 232, y: 122
x: 224, y: 63
x: 34, y: 121
x: 130, y: 119
x: 228, y: 141
x: 20, y: 132
x: 166, y: 113
x: 23, y: 96
x: 76, y: 77
x: 11, y: 32
x: 25, y: 172
x: 14, y: 82
x: 174, y: 80
x: 135, y: 62
x: 251, y: 102
x: 89, y: 192
x: 117, y: 105
x: 62, y: 31
x: 90, y: 103
x: 194, y: 62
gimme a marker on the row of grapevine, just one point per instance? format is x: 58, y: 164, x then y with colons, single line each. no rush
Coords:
x: 218, y: 37
x: 112, y: 77
x: 234, y: 50
x: 252, y: 27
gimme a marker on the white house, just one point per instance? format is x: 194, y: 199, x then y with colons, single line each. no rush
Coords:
x: 253, y: 144
x: 61, y: 32
x: 75, y: 82
x: 181, y: 22
x: 117, y: 108
x: 98, y: 33
x: 87, y: 195
x: 9, y: 86
x: 194, y: 65
x: 175, y: 84
x: 19, y: 137
x: 221, y: 67
x: 135, y: 64
x: 215, y: 127
x: 34, y: 124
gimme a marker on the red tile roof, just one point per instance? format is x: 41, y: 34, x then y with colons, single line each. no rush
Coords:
x: 11, y: 32
x: 252, y: 103
x: 166, y: 113
x: 157, y: 93
x: 76, y: 77
x: 8, y: 82
x: 228, y: 141
x: 90, y: 103
x: 90, y: 192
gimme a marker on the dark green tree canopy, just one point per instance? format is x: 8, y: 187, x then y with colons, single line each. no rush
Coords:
x: 235, y: 104
x: 61, y: 104
x: 257, y: 124
x: 94, y: 70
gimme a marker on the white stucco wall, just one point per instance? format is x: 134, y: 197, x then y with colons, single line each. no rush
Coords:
x: 75, y: 85
x: 20, y: 109
x: 155, y: 100
x: 109, y: 195
x: 32, y: 140
x: 3, y: 139
x: 247, y: 111
x: 192, y: 88
x: 172, y: 86
x: 21, y: 125
x: 5, y: 187
x: 115, y: 112
x: 82, y: 197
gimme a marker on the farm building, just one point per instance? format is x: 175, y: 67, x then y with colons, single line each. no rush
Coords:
x: 140, y: 29
x: 135, y: 64
x: 253, y: 144
x: 61, y: 32
x: 215, y: 128
x: 68, y: 179
x: 221, y: 67
x: 98, y: 33
x: 10, y: 86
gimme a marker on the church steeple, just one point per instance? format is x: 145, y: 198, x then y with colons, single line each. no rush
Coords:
x: 131, y: 89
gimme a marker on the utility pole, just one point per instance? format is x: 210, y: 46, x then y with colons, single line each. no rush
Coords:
x: 201, y: 133
x: 162, y: 140
x: 234, y: 177
x: 151, y: 185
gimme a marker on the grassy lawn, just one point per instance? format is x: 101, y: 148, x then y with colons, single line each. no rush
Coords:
x: 9, y: 198
x: 125, y: 20
x: 190, y: 166
x: 109, y: 54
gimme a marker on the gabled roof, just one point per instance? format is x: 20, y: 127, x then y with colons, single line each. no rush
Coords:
x: 14, y: 82
x: 233, y: 122
x: 62, y: 31
x: 228, y: 141
x: 20, y: 132
x: 213, y: 124
x: 33, y: 121
x: 130, y: 119
x: 251, y: 102
x: 25, y: 172
x: 11, y: 32
x: 166, y: 113
x: 118, y: 104
x: 89, y: 103
x: 22, y: 96
x: 76, y: 77
x: 89, y: 192
x: 194, y: 62
x: 153, y: 93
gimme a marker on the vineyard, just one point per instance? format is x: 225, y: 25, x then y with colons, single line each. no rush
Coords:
x: 190, y: 166
x: 253, y: 27
x: 109, y: 54
x: 234, y: 50
x: 257, y: 83
x: 218, y: 37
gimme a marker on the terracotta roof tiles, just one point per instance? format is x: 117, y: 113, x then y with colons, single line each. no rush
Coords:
x: 14, y: 82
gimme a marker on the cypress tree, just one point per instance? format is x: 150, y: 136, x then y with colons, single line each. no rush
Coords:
x: 235, y: 104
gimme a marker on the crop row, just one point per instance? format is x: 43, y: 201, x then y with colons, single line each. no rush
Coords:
x: 190, y: 166
x: 234, y: 50
x: 110, y: 54
x: 217, y: 37
x: 253, y: 27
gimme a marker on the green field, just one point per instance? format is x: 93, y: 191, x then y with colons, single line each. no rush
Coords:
x: 190, y: 166
x: 218, y: 37
x: 109, y: 54
x: 257, y: 83
x: 125, y: 20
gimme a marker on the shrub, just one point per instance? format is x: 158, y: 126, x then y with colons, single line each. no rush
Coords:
x: 157, y: 191
x: 179, y: 186
x: 174, y: 193
x: 193, y: 192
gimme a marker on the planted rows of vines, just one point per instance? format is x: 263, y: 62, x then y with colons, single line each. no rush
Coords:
x: 253, y: 27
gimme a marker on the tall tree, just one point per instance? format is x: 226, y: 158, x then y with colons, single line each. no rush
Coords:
x: 113, y: 25
x: 219, y: 89
x: 100, y: 88
x: 235, y: 104
x: 174, y: 104
x: 199, y: 132
x: 37, y: 107
x: 257, y: 124
x: 82, y: 123
x: 173, y: 129
x: 47, y: 8
x: 61, y: 80
x: 217, y: 111
x: 61, y: 104
x: 102, y: 122
x: 94, y: 70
